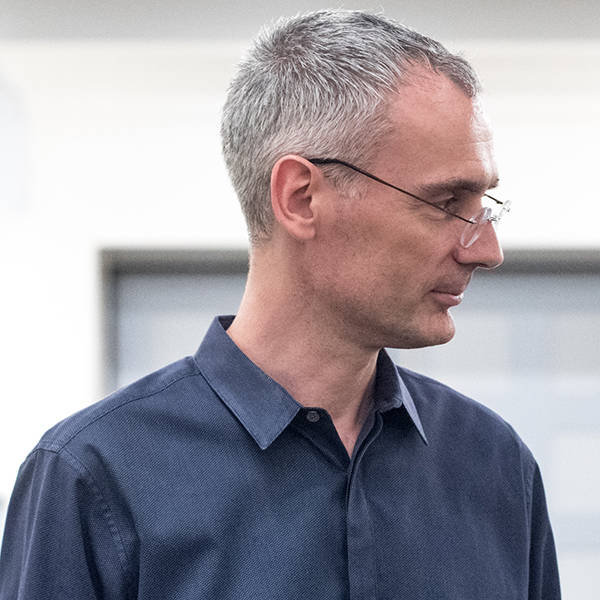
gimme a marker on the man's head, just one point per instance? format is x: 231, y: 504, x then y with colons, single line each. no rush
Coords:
x: 367, y: 262
x: 320, y: 85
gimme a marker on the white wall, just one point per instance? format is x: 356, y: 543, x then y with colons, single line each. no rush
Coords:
x: 124, y: 152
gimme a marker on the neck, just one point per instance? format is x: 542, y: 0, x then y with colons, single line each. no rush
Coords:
x: 283, y: 333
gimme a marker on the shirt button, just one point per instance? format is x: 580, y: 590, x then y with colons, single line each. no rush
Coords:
x: 312, y: 416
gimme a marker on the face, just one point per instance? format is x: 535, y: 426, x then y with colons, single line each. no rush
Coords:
x: 391, y: 267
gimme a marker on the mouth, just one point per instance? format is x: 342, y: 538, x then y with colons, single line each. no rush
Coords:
x: 450, y: 291
x: 449, y: 294
x: 447, y: 299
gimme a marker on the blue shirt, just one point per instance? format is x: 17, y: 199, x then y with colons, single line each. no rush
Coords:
x: 207, y: 480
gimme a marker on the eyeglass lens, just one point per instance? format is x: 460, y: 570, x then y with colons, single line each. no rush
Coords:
x: 473, y: 230
x: 479, y: 220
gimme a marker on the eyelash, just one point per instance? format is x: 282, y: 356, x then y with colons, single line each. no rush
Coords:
x: 450, y: 204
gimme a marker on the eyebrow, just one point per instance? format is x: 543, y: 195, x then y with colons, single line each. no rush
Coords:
x: 458, y: 183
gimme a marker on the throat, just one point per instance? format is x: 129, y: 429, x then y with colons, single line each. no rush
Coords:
x: 352, y: 421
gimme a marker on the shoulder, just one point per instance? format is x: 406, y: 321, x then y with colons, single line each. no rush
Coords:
x: 122, y: 447
x: 438, y: 399
x: 453, y: 418
x: 124, y: 412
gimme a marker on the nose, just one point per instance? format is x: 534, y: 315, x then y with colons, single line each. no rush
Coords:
x: 485, y: 252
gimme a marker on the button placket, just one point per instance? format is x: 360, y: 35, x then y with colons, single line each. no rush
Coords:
x: 362, y: 569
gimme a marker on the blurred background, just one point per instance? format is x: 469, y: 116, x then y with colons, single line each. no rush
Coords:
x: 120, y: 236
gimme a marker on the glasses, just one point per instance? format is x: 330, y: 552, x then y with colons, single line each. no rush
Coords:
x: 474, y: 226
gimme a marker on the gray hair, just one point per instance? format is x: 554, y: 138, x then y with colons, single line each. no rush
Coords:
x: 318, y: 85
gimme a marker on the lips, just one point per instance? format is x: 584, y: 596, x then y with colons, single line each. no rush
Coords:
x: 448, y: 298
x: 458, y: 291
x: 454, y: 286
x: 449, y: 294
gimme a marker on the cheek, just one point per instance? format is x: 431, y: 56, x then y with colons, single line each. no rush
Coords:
x: 382, y: 248
x: 344, y: 237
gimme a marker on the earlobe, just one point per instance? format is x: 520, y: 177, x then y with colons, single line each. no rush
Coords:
x: 292, y: 187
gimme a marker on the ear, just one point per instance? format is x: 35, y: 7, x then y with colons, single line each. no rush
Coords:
x: 293, y: 183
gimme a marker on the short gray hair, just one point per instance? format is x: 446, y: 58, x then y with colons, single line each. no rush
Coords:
x: 318, y: 85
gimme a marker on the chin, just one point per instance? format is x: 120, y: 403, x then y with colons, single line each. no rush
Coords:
x: 435, y: 334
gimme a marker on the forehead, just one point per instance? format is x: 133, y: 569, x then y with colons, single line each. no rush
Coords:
x: 438, y: 132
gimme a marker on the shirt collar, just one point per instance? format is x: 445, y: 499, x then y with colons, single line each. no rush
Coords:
x: 263, y: 406
x: 391, y: 392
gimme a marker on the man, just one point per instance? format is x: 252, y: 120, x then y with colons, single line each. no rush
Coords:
x: 289, y: 458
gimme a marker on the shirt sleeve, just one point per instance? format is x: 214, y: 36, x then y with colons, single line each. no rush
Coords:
x: 543, y: 568
x: 60, y: 541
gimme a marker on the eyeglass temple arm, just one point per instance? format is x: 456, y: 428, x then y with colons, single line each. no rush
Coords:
x: 495, y: 199
x: 330, y: 161
x: 337, y: 161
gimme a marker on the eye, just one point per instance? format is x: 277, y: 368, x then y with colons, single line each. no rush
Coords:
x: 450, y: 205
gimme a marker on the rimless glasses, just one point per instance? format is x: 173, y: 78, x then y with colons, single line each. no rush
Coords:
x: 474, y: 226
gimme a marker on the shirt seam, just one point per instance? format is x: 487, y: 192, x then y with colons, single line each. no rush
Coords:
x: 529, y: 471
x: 58, y: 447
x: 74, y: 463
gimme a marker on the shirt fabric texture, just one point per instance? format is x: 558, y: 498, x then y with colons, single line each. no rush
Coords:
x: 207, y: 480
